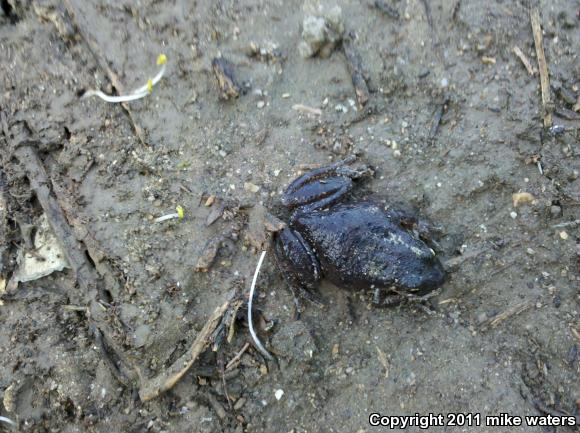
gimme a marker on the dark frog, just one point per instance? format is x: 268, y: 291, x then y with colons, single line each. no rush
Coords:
x: 358, y: 246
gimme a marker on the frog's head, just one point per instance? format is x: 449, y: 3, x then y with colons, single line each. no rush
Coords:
x: 429, y: 277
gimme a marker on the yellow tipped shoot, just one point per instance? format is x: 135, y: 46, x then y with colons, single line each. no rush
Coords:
x: 161, y: 59
x: 139, y: 93
x: 180, y: 212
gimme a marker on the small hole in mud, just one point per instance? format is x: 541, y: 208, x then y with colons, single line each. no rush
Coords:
x: 67, y: 133
x: 89, y: 258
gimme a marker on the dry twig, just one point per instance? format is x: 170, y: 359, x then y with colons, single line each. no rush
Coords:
x: 166, y: 380
x: 503, y: 316
x: 354, y: 63
x: 542, y: 66
x: 524, y: 60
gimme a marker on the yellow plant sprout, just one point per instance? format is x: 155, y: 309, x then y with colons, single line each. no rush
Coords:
x: 138, y: 93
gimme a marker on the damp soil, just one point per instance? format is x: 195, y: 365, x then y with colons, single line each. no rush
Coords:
x: 453, y: 128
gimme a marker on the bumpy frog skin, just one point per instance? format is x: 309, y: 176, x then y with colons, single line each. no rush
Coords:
x: 357, y: 246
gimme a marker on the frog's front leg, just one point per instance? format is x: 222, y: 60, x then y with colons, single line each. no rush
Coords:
x: 323, y: 186
x: 383, y: 299
x: 422, y: 228
x: 392, y: 297
x: 298, y: 265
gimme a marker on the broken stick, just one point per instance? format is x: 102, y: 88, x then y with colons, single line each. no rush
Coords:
x: 511, y: 311
x: 165, y: 381
x: 524, y: 60
x: 355, y: 68
x: 542, y: 66
x: 39, y: 182
x: 84, y: 272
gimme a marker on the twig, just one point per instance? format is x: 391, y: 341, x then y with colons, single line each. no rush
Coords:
x: 306, y: 109
x: 93, y: 249
x: 39, y: 182
x: 236, y: 358
x: 436, y: 120
x: 152, y: 388
x: 355, y: 68
x: 103, y: 348
x: 83, y: 270
x: 104, y: 65
x: 569, y: 224
x: 543, y: 66
x: 261, y: 348
x: 386, y: 9
x: 384, y: 361
x: 524, y: 60
x: 501, y: 317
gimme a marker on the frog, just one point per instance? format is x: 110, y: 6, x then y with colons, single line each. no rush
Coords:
x: 360, y: 245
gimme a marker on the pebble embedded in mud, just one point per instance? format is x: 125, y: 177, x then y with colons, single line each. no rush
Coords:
x: 322, y: 30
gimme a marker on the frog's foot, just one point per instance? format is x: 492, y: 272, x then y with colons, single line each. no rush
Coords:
x: 323, y: 186
x: 299, y: 294
x: 382, y: 299
x: 395, y: 297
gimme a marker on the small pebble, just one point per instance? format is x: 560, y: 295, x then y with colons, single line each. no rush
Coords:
x: 513, y: 215
x: 250, y: 187
x: 260, y: 104
x: 278, y: 394
x: 519, y: 198
x: 563, y: 235
x: 556, y: 211
x: 240, y: 403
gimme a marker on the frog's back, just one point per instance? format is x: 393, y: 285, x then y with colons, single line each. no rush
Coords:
x: 358, y: 246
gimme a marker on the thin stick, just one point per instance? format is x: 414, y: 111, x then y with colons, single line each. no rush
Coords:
x: 543, y: 66
x: 237, y: 357
x: 355, y: 68
x: 75, y: 255
x: 165, y: 381
x: 261, y: 348
x: 524, y: 59
x: 511, y: 311
x: 306, y: 109
x: 573, y: 224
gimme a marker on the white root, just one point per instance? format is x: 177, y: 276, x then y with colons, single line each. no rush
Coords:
x: 257, y: 342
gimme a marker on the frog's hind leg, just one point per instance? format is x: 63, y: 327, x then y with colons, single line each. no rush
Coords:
x: 323, y: 186
x: 298, y: 265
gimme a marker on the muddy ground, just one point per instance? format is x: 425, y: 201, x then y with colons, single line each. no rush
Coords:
x: 503, y: 336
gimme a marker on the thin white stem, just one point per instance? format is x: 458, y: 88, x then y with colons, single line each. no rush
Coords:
x: 7, y: 421
x: 115, y: 99
x: 154, y: 80
x: 250, y: 300
x: 166, y: 217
